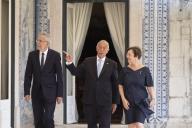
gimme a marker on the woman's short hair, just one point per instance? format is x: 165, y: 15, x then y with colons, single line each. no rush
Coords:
x: 136, y: 51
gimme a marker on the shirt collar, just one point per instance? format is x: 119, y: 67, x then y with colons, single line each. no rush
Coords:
x: 103, y: 59
x: 45, y: 52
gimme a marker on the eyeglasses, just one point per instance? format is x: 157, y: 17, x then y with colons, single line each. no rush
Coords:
x: 40, y: 41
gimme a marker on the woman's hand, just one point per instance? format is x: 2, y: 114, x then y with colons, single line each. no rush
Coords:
x: 152, y: 102
x: 125, y: 104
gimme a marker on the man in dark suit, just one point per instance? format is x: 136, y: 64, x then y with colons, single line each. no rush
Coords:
x: 101, y: 90
x: 44, y: 68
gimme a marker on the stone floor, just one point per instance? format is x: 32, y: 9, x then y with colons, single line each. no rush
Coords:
x: 169, y: 125
x: 85, y: 126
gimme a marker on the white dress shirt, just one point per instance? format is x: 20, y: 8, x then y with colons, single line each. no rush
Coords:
x: 102, y: 61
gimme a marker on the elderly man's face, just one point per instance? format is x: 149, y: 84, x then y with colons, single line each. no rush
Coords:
x: 102, y: 49
x: 42, y: 43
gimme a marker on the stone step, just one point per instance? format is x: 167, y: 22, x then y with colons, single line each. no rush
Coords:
x: 85, y: 126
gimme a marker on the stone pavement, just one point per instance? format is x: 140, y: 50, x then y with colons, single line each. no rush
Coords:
x: 85, y: 126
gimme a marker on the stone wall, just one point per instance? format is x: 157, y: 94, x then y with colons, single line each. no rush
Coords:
x: 180, y: 82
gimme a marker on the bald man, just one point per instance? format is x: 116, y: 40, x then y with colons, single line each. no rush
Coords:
x: 99, y: 74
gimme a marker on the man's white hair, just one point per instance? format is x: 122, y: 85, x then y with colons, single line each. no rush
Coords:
x: 103, y: 41
x: 47, y: 36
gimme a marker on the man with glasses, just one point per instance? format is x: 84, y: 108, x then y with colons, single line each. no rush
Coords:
x: 44, y: 69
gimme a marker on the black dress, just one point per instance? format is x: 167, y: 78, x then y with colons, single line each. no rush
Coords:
x: 134, y: 84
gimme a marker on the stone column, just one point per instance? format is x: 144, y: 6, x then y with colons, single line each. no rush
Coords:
x: 135, y: 22
x: 24, y: 43
x: 55, y: 15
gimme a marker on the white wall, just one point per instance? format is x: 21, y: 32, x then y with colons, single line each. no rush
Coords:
x: 135, y: 22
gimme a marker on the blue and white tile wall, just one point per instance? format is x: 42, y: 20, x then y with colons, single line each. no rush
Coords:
x: 42, y: 18
x: 155, y: 47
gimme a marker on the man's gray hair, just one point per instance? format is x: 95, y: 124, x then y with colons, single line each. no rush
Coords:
x: 103, y: 41
x: 46, y: 35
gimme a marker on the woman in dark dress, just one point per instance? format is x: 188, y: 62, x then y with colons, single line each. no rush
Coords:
x: 136, y: 89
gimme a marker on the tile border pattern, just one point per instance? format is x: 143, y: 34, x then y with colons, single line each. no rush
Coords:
x: 162, y: 57
x: 42, y: 19
x: 157, y: 53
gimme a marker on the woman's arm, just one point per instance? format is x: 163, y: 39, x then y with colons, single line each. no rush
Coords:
x: 151, y: 93
x: 124, y: 100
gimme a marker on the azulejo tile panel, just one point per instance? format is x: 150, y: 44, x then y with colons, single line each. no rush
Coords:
x: 42, y: 19
x: 156, y: 55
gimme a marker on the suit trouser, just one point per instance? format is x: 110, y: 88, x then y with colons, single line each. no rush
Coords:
x: 43, y: 111
x: 97, y: 114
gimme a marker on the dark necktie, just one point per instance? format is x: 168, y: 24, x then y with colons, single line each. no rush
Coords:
x: 42, y: 60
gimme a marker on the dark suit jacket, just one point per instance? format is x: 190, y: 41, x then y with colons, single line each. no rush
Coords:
x: 50, y: 78
x: 102, y: 90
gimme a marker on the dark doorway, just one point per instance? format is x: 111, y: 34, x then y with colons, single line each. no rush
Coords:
x: 98, y: 30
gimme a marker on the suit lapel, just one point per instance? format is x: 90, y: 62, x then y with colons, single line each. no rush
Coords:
x: 37, y: 59
x: 95, y: 66
x: 47, y: 59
